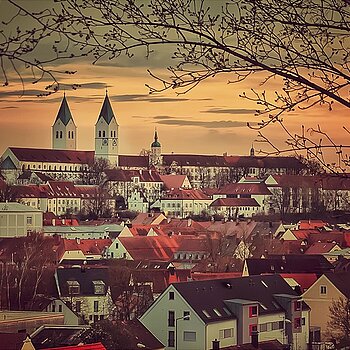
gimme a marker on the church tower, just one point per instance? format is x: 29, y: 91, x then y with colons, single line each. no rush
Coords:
x: 156, y: 151
x: 64, y: 130
x: 106, y: 134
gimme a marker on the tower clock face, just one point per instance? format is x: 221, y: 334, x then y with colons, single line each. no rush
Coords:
x: 105, y: 142
x: 114, y: 142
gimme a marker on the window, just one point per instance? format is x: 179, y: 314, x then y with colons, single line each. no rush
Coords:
x: 171, y: 296
x: 252, y: 328
x: 186, y: 316
x: 297, y: 305
x: 96, y: 306
x: 171, y: 338
x: 73, y: 287
x: 53, y: 308
x: 29, y: 220
x: 99, y: 287
x: 263, y: 327
x: 59, y: 308
x: 323, y: 290
x: 61, y: 134
x: 56, y: 134
x: 297, y: 322
x: 99, y: 133
x: 78, y: 306
x: 72, y: 134
x: 171, y: 318
x: 226, y: 333
x: 95, y: 318
x: 253, y: 311
x: 189, y: 336
x: 103, y: 133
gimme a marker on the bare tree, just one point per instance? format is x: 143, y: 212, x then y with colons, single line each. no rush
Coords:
x: 338, y: 326
x: 301, y: 45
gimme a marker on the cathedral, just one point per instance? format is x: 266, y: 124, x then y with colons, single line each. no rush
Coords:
x: 64, y: 162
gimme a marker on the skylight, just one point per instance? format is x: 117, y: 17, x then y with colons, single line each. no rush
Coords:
x: 217, y: 312
x: 205, y: 312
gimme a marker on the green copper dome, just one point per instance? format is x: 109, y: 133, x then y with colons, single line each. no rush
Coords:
x: 155, y: 143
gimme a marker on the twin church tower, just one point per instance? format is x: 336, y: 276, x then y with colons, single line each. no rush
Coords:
x: 64, y: 134
x: 64, y: 131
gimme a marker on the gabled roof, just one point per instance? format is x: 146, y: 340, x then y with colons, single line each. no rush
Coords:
x: 205, y: 296
x: 85, y: 276
x: 321, y: 247
x: 53, y: 155
x: 173, y: 181
x: 122, y: 175
x: 289, y: 264
x: 64, y: 114
x: 146, y: 218
x: 106, y: 111
x: 341, y: 281
x: 245, y: 188
x: 151, y: 248
x: 130, y: 161
x: 235, y: 202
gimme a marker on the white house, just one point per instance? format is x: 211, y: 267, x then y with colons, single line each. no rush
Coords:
x: 191, y: 315
x: 18, y: 220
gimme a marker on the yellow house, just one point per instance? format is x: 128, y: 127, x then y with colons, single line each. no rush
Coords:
x: 329, y: 287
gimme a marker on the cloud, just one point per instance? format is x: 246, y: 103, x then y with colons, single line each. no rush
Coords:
x: 230, y: 111
x: 144, y: 98
x: 209, y: 124
x: 162, y: 117
x: 9, y: 107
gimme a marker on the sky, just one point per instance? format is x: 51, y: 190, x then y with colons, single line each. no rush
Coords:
x: 210, y: 119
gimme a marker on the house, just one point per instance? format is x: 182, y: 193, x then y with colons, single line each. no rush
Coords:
x: 324, y: 248
x: 276, y: 264
x: 191, y: 315
x: 17, y: 220
x: 159, y: 248
x: 182, y: 203
x: 138, y: 202
x: 87, y: 290
x: 174, y: 181
x: 249, y: 190
x: 235, y: 207
x: 329, y: 287
x: 148, y: 219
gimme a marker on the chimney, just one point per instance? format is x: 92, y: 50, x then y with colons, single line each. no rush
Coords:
x: 216, y: 344
x: 53, y: 222
x: 189, y: 222
x: 77, y: 240
x: 255, y: 339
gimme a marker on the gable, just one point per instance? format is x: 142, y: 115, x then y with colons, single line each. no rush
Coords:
x: 8, y: 163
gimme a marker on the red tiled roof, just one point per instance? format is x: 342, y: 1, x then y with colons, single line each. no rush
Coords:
x: 194, y: 160
x: 180, y: 194
x: 133, y: 161
x: 61, y: 189
x: 296, y: 181
x: 151, y: 248
x: 235, y: 202
x: 320, y: 247
x: 53, y: 156
x: 145, y: 218
x: 245, y: 188
x: 29, y: 191
x: 311, y: 224
x: 264, y: 162
x: 173, y: 181
x: 305, y: 280
x: 347, y: 239
x: 122, y: 175
x: 303, y: 234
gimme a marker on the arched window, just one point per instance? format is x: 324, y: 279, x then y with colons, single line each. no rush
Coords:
x: 111, y: 133
x: 56, y: 134
x: 99, y: 133
x: 61, y: 134
x: 72, y: 134
x: 104, y: 133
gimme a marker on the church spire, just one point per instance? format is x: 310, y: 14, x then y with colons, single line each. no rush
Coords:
x: 155, y: 143
x: 106, y: 111
x: 64, y: 114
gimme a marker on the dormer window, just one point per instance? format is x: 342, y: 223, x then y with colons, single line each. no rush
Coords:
x: 253, y: 311
x: 297, y: 305
x: 99, y: 287
x: 73, y: 287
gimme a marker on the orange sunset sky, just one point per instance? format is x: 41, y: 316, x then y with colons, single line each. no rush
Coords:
x: 210, y: 119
